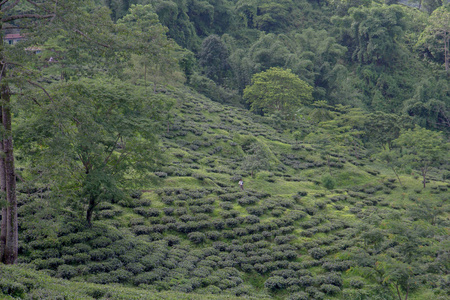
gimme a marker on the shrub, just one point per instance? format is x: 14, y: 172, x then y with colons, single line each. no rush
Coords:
x: 298, y: 296
x: 122, y: 275
x: 275, y: 282
x: 147, y: 212
x: 66, y: 272
x: 11, y: 288
x: 260, y: 268
x: 101, y: 242
x: 357, y: 284
x: 136, y: 194
x: 248, y: 200
x: 306, y: 281
x: 334, y: 279
x: 317, y: 253
x: 196, y: 237
x: 256, y: 211
x: 283, y: 239
x: 329, y: 289
x: 135, y: 268
x: 101, y: 254
x: 231, y: 223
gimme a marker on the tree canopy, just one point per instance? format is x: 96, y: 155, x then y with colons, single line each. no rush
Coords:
x: 278, y: 90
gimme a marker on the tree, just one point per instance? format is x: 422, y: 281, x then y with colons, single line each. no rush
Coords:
x: 99, y: 131
x: 9, y: 226
x: 383, y: 128
x: 436, y: 36
x: 423, y: 149
x: 375, y: 33
x: 213, y: 57
x: 153, y: 52
x: 316, y: 58
x: 390, y: 157
x: 277, y: 90
x: 257, y: 160
x: 82, y: 38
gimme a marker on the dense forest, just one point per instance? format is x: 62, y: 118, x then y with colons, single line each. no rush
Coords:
x: 126, y: 126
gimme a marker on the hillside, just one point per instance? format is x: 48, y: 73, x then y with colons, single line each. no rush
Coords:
x: 294, y: 232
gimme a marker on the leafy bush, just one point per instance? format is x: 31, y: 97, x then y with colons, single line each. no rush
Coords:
x: 66, y: 272
x: 248, y: 200
x: 135, y: 268
x: 317, y: 253
x: 13, y: 289
x: 275, y: 282
x: 357, y: 284
x: 298, y: 296
x: 329, y: 289
x: 196, y: 237
x: 251, y: 219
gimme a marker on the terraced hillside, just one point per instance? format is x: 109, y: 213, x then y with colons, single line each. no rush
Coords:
x: 294, y: 232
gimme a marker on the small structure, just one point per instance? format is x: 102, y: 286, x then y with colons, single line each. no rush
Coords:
x: 13, y: 38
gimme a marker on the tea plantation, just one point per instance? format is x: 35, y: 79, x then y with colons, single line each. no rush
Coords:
x: 308, y: 224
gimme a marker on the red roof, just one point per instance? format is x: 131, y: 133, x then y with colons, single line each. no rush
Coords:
x: 13, y: 36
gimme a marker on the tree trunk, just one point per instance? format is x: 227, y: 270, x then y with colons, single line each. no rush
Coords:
x: 90, y: 211
x: 398, y: 292
x: 3, y: 202
x: 424, y: 173
x: 446, y: 45
x: 7, y: 176
x: 328, y: 164
x: 398, y: 177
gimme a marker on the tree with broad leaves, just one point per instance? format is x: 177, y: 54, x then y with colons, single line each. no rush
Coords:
x: 278, y: 90
x: 82, y: 38
x: 422, y: 149
x: 436, y: 36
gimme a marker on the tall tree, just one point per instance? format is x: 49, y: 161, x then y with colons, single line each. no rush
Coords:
x: 423, y: 149
x: 436, y: 36
x: 9, y: 225
x: 376, y: 33
x: 213, y: 57
x: 98, y: 130
x: 278, y: 90
x: 73, y: 28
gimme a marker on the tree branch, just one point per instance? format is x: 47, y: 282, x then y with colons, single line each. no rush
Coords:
x: 85, y: 36
x: 10, y: 6
x: 3, y: 70
x: 28, y: 16
x: 112, y: 150
x: 39, y: 86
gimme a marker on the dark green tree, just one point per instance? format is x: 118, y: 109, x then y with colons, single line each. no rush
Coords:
x: 376, y: 32
x: 96, y: 133
x: 435, y: 39
x: 213, y: 57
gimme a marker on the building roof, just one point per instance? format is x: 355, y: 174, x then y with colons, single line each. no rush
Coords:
x: 13, y: 36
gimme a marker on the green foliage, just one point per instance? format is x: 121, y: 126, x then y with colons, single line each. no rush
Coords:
x: 213, y: 57
x: 423, y: 149
x: 434, y: 41
x: 375, y: 32
x: 277, y: 90
x: 106, y: 126
x: 328, y: 182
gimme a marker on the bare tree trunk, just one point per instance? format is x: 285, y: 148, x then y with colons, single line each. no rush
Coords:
x: 12, y: 237
x: 90, y: 211
x: 424, y: 173
x: 3, y: 199
x: 446, y: 45
x: 398, y: 177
